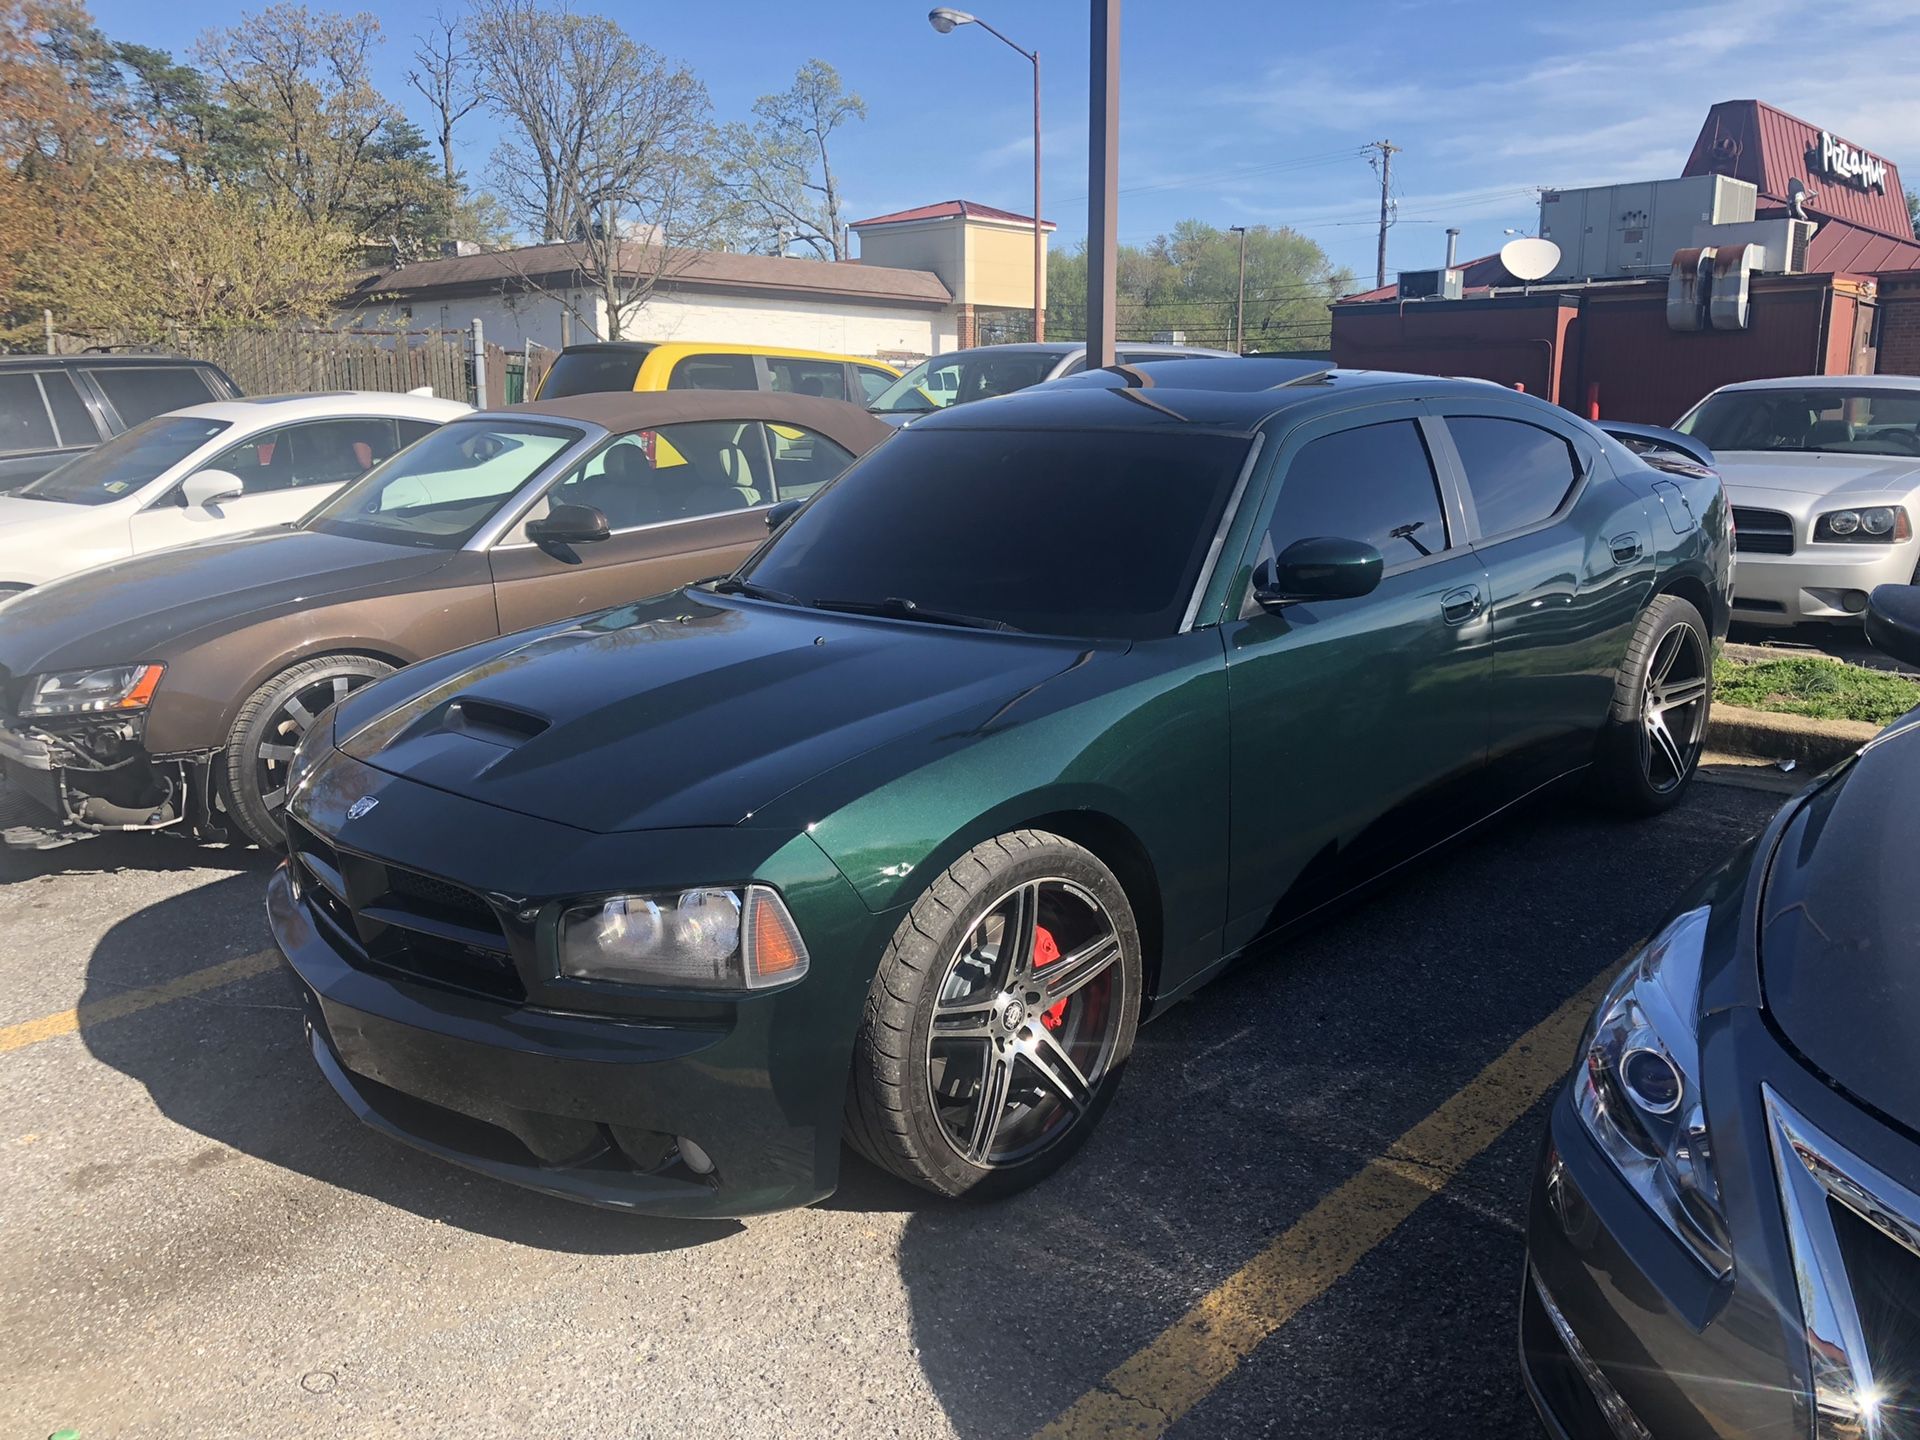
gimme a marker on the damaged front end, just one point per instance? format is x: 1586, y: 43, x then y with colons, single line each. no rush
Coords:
x: 74, y: 763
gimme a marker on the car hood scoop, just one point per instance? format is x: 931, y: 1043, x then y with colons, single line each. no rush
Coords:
x: 640, y: 719
x: 1840, y: 929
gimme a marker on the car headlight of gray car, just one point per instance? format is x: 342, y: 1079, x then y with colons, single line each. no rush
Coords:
x: 1638, y: 1089
x: 1869, y: 524
x: 113, y: 689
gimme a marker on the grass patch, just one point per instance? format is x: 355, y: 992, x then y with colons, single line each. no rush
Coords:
x: 1820, y: 688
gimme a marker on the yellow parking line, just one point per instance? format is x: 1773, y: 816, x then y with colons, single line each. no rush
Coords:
x: 1182, y: 1365
x: 129, y: 1002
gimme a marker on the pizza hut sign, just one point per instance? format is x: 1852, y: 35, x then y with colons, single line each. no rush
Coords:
x: 1848, y: 164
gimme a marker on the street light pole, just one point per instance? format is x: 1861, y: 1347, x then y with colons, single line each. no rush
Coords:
x: 1103, y: 179
x: 944, y: 19
x: 1240, y: 296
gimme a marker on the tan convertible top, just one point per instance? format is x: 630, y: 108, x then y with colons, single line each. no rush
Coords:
x: 622, y: 411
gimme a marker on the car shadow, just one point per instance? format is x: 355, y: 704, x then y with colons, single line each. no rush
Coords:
x: 1246, y: 1106
x: 232, y: 1064
x: 110, y: 854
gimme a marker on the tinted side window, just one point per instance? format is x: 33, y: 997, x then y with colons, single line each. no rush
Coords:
x: 592, y: 372
x: 714, y: 372
x: 826, y: 378
x: 873, y: 383
x: 803, y: 461
x: 24, y: 423
x: 677, y: 472
x: 412, y: 430
x: 70, y: 414
x: 1374, y: 484
x: 142, y: 392
x: 1518, y: 474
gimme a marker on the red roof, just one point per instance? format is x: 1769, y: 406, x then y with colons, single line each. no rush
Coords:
x: 1843, y: 249
x: 1768, y: 147
x: 951, y: 210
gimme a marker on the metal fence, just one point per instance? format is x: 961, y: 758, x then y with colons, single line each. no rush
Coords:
x: 294, y: 361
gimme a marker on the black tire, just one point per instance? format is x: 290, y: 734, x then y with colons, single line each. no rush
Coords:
x: 908, y: 1099
x: 1636, y: 771
x: 270, y: 724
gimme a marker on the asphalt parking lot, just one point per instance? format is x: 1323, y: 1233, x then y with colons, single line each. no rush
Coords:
x: 200, y: 1241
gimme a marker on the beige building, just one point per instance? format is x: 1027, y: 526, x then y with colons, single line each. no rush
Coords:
x: 982, y: 255
x: 927, y: 281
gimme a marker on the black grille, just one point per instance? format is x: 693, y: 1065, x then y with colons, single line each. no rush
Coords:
x: 1762, y: 532
x: 384, y: 917
x: 1885, y: 1277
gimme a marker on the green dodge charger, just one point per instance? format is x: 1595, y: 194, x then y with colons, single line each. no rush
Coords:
x: 1026, y: 726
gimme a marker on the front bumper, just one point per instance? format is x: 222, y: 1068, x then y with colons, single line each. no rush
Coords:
x: 462, y: 1080
x: 1817, y: 582
x: 551, y: 1091
x: 56, y: 793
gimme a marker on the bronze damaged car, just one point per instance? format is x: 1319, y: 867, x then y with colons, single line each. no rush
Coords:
x: 168, y: 691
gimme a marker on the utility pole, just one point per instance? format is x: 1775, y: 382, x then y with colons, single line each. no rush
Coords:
x: 1387, y: 149
x: 1240, y: 296
x: 1103, y: 178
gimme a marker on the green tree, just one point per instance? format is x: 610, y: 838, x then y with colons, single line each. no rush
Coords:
x: 779, y: 170
x: 1913, y: 208
x: 1186, y: 282
x: 322, y: 135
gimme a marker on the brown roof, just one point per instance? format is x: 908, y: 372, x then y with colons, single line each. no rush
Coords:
x: 531, y: 265
x: 623, y: 411
x: 948, y: 210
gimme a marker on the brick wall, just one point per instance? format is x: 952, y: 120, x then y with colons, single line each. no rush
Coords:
x: 1899, y: 327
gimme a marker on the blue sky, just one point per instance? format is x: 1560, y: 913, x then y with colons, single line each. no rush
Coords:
x: 1253, y: 111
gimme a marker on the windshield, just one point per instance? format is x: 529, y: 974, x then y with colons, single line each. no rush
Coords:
x: 965, y: 375
x: 1097, y: 534
x: 438, y: 492
x: 125, y: 463
x: 1831, y: 421
x: 593, y: 371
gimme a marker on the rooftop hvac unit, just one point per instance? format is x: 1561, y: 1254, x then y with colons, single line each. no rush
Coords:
x: 1782, y: 243
x: 1447, y: 284
x: 1634, y: 229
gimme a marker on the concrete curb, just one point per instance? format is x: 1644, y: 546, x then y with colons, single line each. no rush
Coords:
x: 1766, y: 735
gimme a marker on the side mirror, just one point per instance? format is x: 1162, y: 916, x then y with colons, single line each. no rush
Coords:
x: 778, y: 515
x: 1318, y: 568
x: 1893, y: 621
x: 568, y: 525
x: 207, y: 488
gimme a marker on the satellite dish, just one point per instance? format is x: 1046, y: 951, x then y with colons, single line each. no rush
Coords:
x: 1528, y: 258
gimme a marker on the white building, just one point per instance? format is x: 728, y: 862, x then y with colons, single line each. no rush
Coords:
x: 945, y: 265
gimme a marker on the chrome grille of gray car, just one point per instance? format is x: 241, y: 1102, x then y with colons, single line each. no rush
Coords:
x: 1762, y: 532
x: 1855, y: 1234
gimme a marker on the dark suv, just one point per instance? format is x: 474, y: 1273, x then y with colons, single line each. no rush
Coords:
x: 52, y: 407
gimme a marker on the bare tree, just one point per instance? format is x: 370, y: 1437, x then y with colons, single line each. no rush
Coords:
x: 779, y: 171
x: 605, y: 145
x: 443, y: 77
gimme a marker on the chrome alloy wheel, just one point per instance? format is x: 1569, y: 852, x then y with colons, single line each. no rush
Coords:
x: 295, y: 716
x: 1026, y: 1023
x: 1673, y: 708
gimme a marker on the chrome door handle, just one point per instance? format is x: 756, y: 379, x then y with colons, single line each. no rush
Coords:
x: 1459, y: 606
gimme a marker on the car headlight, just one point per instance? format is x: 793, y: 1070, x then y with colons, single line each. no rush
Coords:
x: 701, y: 939
x: 1872, y: 525
x: 1638, y: 1089
x: 114, y: 689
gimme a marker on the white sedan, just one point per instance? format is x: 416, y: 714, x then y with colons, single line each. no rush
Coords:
x: 1823, y: 472
x: 204, y: 471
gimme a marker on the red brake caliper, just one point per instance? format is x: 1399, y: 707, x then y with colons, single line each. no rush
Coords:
x: 1045, y: 952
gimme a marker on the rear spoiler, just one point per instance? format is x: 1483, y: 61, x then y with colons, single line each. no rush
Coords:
x: 1659, y: 437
